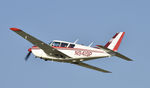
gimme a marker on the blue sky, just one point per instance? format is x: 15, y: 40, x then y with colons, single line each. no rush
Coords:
x: 87, y: 20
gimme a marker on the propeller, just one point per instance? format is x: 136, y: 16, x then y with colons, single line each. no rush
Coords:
x: 28, y: 55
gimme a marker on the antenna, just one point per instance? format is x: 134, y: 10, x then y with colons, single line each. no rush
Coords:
x: 76, y: 41
x: 91, y: 44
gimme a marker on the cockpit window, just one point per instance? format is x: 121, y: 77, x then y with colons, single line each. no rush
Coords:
x: 56, y: 44
x: 71, y: 45
x: 64, y: 44
x: 50, y: 43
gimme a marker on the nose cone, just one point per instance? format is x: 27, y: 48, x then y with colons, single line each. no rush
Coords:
x: 34, y: 47
x: 29, y: 49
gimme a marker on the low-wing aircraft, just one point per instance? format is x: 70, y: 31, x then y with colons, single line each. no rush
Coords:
x: 62, y: 51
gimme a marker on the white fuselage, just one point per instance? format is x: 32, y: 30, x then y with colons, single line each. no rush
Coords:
x: 79, y: 51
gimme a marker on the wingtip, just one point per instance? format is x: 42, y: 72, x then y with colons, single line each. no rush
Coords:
x: 15, y: 29
x: 122, y: 32
x: 130, y: 60
x: 108, y: 72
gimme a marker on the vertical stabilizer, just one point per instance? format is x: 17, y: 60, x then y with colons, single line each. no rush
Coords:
x: 114, y: 43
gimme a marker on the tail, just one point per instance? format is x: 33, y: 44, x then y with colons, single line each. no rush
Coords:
x: 112, y: 46
x: 114, y: 43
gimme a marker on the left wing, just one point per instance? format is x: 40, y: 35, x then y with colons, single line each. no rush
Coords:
x: 45, y: 47
x: 90, y: 67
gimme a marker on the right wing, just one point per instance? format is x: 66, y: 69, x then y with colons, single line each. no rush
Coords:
x: 90, y: 67
x: 45, y: 47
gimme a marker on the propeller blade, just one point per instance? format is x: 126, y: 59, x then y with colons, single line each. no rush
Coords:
x: 26, y: 58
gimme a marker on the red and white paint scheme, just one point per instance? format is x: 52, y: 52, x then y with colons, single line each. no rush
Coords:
x: 62, y: 51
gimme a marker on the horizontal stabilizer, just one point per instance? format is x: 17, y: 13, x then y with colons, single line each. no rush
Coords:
x: 122, y: 56
x: 113, y: 53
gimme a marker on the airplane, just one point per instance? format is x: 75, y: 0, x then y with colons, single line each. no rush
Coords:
x: 73, y: 53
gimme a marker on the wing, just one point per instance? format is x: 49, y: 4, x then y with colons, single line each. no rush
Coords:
x: 86, y: 58
x: 45, y: 47
x: 91, y: 67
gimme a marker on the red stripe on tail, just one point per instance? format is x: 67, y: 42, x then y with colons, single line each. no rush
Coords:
x: 111, y: 40
x: 118, y: 43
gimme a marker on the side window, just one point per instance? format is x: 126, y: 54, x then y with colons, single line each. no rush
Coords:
x: 64, y: 44
x: 71, y: 45
x: 56, y: 44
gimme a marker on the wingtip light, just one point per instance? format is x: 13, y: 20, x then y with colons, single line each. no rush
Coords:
x: 15, y: 29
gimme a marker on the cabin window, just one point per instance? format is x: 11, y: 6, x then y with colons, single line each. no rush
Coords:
x: 56, y: 44
x: 71, y: 45
x: 64, y: 44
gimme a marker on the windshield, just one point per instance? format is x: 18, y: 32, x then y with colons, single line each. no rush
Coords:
x: 56, y: 44
x: 50, y: 43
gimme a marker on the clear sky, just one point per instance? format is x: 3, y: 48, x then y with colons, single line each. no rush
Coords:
x: 87, y: 20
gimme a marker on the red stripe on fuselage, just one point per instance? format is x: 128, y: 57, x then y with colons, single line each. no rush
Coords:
x: 66, y: 48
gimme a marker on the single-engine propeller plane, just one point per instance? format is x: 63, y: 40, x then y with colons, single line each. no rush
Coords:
x: 62, y: 51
